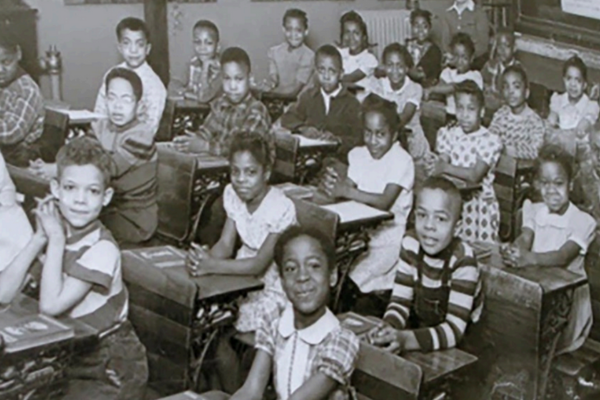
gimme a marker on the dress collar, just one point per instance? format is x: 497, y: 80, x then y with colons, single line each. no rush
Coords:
x: 388, y: 85
x: 311, y: 335
x: 333, y: 94
x: 545, y: 218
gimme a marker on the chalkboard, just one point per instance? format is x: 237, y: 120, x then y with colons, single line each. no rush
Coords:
x: 570, y: 21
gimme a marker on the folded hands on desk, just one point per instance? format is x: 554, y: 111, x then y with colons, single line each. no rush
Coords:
x: 435, y: 164
x: 391, y: 339
x: 43, y: 169
x: 516, y: 257
x: 199, y: 260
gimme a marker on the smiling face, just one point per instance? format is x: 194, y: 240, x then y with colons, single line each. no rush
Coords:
x: 554, y: 186
x: 468, y: 112
x: 353, y: 37
x: 248, y: 177
x: 329, y: 72
x: 134, y: 47
x: 306, y: 278
x: 81, y: 194
x: 462, y: 58
x: 377, y: 135
x: 9, y: 65
x: 505, y: 48
x: 574, y: 83
x: 421, y: 29
x: 205, y: 43
x: 395, y: 68
x: 436, y: 215
x: 236, y: 83
x: 121, y: 102
x: 295, y: 32
x: 514, y: 91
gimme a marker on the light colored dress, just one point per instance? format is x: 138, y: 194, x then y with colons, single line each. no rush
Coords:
x: 15, y: 230
x: 364, y: 61
x: 551, y: 232
x: 374, y: 270
x: 274, y: 215
x: 481, y: 214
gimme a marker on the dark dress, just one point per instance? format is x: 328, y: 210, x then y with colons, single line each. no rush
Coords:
x: 430, y: 63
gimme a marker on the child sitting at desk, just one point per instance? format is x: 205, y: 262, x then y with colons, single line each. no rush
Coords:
x: 380, y: 174
x: 81, y: 275
x: 396, y: 86
x: 327, y: 110
x: 359, y: 64
x: 586, y: 193
x: 573, y: 112
x: 204, y: 76
x: 466, y: 17
x: 236, y: 110
x: 256, y: 214
x: 519, y: 127
x: 556, y: 233
x: 470, y: 152
x: 21, y: 106
x: 291, y: 63
x: 462, y: 48
x: 134, y: 46
x: 426, y: 55
x: 320, y: 363
x: 437, y: 289
x: 503, y: 56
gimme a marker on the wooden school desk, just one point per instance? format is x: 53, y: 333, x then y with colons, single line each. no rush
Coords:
x: 351, y: 222
x: 187, y: 183
x: 40, y: 370
x: 177, y: 316
x: 437, y: 368
x: 525, y: 311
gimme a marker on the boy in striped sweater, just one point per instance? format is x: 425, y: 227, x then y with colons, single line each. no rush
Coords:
x: 437, y: 289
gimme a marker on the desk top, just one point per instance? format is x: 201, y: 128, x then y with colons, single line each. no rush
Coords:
x: 462, y: 185
x: 162, y: 270
x: 203, y: 160
x: 550, y: 279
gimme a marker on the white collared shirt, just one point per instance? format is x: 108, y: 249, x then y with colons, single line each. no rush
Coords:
x: 570, y: 115
x: 451, y: 75
x: 469, y: 5
x: 327, y: 97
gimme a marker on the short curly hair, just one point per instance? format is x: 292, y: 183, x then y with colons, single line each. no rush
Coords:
x: 85, y: 151
x: 296, y: 231
x: 255, y: 144
x: 556, y: 154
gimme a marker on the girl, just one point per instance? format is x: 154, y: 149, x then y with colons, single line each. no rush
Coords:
x: 573, y: 113
x: 359, y: 64
x: 399, y: 88
x: 468, y: 151
x: 380, y: 174
x: 556, y: 233
x: 257, y: 214
x: 304, y: 347
x: 518, y: 126
x: 426, y: 55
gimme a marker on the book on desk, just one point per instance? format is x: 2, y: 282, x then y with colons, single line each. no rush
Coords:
x: 22, y: 333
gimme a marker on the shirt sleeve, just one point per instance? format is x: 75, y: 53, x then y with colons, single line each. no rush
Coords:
x: 415, y: 95
x: 8, y: 192
x: 213, y: 123
x: 267, y: 330
x: 368, y: 63
x: 446, y: 76
x: 19, y: 116
x: 338, y: 357
x: 555, y: 103
x: 489, y: 149
x: 97, y: 265
x: 591, y: 112
x: 137, y: 148
x: 529, y: 211
x: 583, y: 231
x: 464, y: 285
x: 404, y: 173
x: 401, y: 302
x: 282, y: 220
x: 478, y: 79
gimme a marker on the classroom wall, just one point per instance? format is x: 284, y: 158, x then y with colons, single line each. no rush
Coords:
x: 86, y: 39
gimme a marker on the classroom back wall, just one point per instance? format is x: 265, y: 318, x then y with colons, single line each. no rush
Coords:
x: 85, y: 34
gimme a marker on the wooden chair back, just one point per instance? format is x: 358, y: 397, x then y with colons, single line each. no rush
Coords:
x: 54, y: 134
x: 380, y: 375
x: 175, y: 188
x: 285, y: 160
x: 312, y: 216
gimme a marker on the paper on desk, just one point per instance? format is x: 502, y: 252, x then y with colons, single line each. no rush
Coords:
x: 296, y: 191
x: 82, y: 116
x: 308, y: 142
x: 354, y: 211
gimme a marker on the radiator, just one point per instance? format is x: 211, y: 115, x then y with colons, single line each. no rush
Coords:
x: 386, y: 26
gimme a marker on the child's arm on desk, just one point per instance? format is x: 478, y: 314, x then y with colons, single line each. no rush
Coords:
x: 345, y: 188
x: 472, y: 175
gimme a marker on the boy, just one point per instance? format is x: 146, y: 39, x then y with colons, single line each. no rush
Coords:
x: 503, y: 57
x: 462, y: 48
x: 328, y: 106
x: 291, y: 63
x: 134, y: 46
x: 21, y: 107
x: 236, y: 110
x: 204, y: 81
x: 465, y: 16
x: 81, y: 274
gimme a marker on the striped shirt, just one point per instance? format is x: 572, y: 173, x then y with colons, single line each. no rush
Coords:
x: 153, y: 98
x: 465, y: 300
x: 21, y: 111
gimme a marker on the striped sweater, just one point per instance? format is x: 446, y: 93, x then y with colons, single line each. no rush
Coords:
x: 465, y: 299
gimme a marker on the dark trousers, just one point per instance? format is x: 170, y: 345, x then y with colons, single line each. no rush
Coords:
x: 352, y: 299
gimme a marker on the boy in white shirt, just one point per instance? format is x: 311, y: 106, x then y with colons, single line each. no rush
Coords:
x: 134, y: 46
